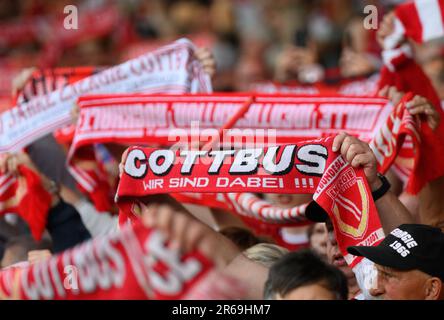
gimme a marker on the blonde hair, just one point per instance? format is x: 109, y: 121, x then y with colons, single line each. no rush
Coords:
x: 265, y: 253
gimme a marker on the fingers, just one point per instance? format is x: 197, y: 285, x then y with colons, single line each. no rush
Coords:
x: 394, y: 95
x: 358, y: 154
x: 20, y: 80
x: 421, y: 109
x: 163, y: 215
x: 196, y: 237
x: 343, y: 142
x: 172, y: 223
x: 384, y: 91
x: 353, y: 151
x: 361, y: 159
x: 12, y: 164
x: 179, y: 232
x: 75, y: 111
x: 3, y: 162
x: 337, y: 142
x: 421, y: 106
x: 9, y: 163
x: 416, y: 102
x: 35, y: 256
x: 183, y: 232
x: 206, y: 58
x: 351, y: 147
x: 203, y: 53
x: 122, y: 162
x: 391, y: 93
x: 387, y: 25
x: 386, y: 28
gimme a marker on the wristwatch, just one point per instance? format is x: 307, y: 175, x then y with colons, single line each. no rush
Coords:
x: 382, y: 190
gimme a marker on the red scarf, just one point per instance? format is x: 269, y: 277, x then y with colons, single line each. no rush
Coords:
x: 123, y: 119
x: 172, y: 68
x: 341, y: 190
x: 420, y: 20
x: 135, y: 263
x: 401, y: 71
x: 388, y: 142
x: 45, y: 81
x: 25, y: 196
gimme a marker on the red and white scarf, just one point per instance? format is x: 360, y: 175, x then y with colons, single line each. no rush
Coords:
x: 399, y: 134
x: 172, y: 68
x: 25, y: 195
x: 420, y: 20
x: 136, y: 263
x: 341, y: 190
x: 166, y: 119
x: 44, y: 81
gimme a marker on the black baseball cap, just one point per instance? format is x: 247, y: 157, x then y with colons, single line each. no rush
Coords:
x: 408, y: 247
x: 314, y: 212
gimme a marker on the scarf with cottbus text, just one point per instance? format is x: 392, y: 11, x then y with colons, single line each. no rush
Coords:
x: 306, y: 167
x: 165, y: 120
x: 136, y: 263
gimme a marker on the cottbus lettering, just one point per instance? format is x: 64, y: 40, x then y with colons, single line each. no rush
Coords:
x: 284, y: 165
x: 162, y: 169
x: 190, y: 160
x: 219, y: 157
x: 130, y: 165
x: 312, y: 158
x: 178, y: 273
x: 246, y: 161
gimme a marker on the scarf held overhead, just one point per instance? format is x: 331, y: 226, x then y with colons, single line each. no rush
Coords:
x: 167, y: 119
x: 308, y: 167
x: 167, y: 69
